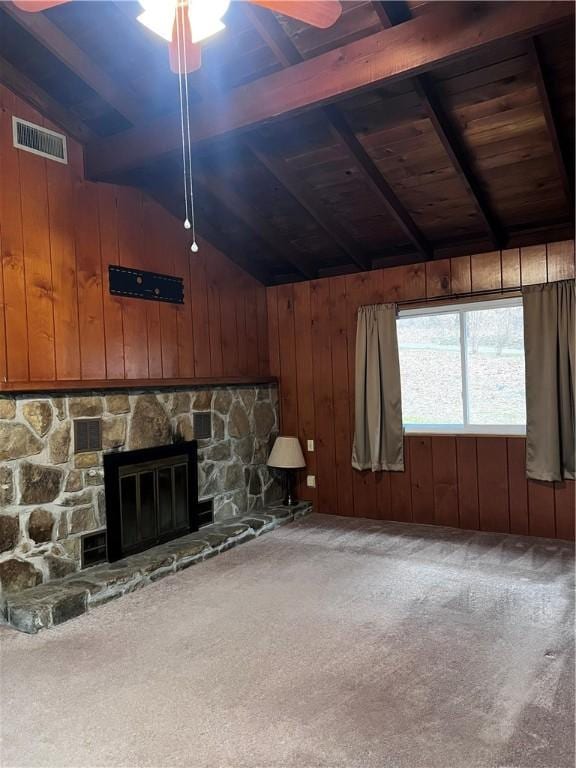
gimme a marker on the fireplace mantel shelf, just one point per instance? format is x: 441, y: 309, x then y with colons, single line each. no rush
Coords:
x: 97, y: 384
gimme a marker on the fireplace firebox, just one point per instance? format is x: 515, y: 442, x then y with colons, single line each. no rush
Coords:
x: 151, y: 497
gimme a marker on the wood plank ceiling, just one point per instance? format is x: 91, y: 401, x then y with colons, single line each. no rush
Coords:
x: 475, y: 154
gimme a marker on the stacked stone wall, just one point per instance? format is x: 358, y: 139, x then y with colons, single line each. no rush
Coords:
x: 50, y: 495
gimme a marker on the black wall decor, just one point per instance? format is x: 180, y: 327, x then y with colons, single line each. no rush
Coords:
x: 138, y: 284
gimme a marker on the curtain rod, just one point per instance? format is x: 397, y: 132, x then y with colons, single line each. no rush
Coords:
x: 468, y: 295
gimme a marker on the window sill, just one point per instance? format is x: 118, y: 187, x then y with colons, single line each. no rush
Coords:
x: 462, y: 433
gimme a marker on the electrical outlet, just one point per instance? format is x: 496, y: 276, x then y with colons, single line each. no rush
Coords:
x: 310, y: 446
x: 311, y: 481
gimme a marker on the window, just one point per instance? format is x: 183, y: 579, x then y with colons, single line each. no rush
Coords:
x: 462, y: 368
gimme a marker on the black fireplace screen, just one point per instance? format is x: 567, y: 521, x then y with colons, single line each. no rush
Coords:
x: 151, y: 497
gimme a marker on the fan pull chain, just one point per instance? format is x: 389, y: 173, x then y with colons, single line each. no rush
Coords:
x: 194, y: 246
x: 185, y: 131
x: 180, y: 90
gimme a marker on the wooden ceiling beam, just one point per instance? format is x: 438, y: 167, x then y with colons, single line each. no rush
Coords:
x: 162, y: 183
x: 382, y: 13
x: 305, y: 196
x: 256, y: 222
x: 562, y: 163
x: 273, y: 35
x: 448, y: 137
x: 287, y: 53
x: 516, y: 237
x: 30, y: 92
x: 72, y: 56
x: 453, y: 147
x: 347, y: 138
x: 216, y: 237
x: 456, y: 30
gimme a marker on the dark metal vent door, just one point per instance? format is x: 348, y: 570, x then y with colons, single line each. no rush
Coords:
x: 87, y: 435
x: 202, y: 425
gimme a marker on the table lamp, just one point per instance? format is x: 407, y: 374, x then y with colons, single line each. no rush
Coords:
x: 287, y: 455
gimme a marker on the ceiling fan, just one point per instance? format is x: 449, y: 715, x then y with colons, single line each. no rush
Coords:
x: 186, y: 23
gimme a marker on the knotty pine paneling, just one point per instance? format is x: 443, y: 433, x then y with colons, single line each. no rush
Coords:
x: 324, y: 394
x: 445, y: 479
x: 90, y: 285
x: 58, y: 321
x: 112, y: 305
x: 15, y: 359
x: 37, y: 265
x: 304, y: 372
x: 473, y: 482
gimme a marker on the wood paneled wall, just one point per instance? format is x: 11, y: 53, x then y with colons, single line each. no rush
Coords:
x: 469, y: 482
x: 59, y: 233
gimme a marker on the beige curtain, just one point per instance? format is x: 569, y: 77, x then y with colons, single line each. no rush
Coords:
x: 378, y: 437
x: 549, y: 319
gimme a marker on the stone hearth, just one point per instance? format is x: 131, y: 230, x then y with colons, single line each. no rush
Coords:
x: 51, y: 496
x: 51, y: 604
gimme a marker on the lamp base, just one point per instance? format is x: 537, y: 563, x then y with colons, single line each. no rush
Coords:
x: 290, y: 499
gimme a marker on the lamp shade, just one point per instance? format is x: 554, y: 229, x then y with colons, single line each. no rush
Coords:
x: 286, y: 454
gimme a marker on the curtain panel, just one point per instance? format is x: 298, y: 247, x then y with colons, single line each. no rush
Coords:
x: 549, y: 318
x: 378, y: 434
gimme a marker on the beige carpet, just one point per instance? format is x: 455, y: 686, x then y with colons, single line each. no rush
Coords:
x: 331, y: 642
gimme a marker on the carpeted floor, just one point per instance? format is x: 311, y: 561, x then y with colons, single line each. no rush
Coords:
x: 331, y: 642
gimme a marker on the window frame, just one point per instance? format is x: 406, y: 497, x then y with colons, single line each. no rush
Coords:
x: 461, y: 308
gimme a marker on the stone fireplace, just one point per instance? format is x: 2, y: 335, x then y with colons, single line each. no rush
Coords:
x: 52, y: 495
x: 151, y: 497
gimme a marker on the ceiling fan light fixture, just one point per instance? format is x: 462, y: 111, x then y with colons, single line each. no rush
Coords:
x: 205, y: 17
x: 158, y: 16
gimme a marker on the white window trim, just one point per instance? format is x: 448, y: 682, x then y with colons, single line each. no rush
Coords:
x: 463, y: 429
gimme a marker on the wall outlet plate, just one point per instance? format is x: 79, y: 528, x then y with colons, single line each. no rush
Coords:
x: 310, y: 446
x: 311, y: 481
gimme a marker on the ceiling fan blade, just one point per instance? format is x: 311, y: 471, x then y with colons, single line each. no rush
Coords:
x: 317, y: 13
x: 185, y: 56
x: 33, y: 6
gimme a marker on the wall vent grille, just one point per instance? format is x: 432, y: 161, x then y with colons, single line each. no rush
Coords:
x: 40, y: 141
x: 205, y: 511
x: 87, y: 435
x: 93, y: 549
x: 202, y: 425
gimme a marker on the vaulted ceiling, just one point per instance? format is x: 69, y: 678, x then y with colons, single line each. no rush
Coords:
x: 407, y: 131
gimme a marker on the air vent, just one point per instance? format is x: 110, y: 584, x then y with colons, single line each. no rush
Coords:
x: 87, y: 435
x: 93, y: 549
x: 205, y: 511
x: 202, y: 425
x: 39, y: 141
